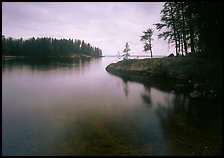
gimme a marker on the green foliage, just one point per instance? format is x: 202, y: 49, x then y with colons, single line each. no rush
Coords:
x: 126, y: 50
x: 147, y: 39
x: 197, y: 69
x: 192, y: 26
x: 47, y: 47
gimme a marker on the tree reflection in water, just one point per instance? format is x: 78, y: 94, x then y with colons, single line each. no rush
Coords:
x: 146, y: 97
x: 190, y: 126
x: 48, y: 63
x: 125, y: 87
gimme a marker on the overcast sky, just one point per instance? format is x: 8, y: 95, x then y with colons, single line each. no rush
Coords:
x: 107, y: 25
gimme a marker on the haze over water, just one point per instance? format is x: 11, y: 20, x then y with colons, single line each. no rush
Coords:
x: 77, y: 108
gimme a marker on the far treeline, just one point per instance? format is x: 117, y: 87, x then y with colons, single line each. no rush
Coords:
x: 47, y: 47
x: 193, y: 27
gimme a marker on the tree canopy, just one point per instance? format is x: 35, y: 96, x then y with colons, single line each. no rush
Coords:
x: 192, y: 27
x: 147, y: 39
x: 126, y: 50
x: 47, y: 47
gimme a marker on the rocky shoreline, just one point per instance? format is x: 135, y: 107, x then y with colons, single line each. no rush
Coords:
x: 192, y: 73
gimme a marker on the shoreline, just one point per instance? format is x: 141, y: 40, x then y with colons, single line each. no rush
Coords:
x: 197, y: 74
x: 47, y: 57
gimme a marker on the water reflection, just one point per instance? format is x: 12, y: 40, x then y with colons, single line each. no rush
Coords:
x: 146, y: 96
x: 45, y: 63
x: 77, y: 108
x: 125, y: 87
x: 190, y: 126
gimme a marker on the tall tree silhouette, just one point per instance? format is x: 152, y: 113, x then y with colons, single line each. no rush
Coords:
x: 192, y: 26
x: 147, y: 39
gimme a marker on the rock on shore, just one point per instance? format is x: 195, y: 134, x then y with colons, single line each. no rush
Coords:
x: 196, y: 70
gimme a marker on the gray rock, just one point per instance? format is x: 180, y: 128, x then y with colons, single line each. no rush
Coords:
x: 195, y: 94
x: 171, y: 55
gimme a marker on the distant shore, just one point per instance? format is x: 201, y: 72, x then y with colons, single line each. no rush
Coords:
x: 38, y: 57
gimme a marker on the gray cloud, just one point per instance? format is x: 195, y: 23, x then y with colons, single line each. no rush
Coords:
x: 107, y: 25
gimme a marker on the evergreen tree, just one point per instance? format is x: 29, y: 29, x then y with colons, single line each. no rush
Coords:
x: 126, y: 50
x: 147, y: 39
x: 47, y: 47
x: 192, y: 26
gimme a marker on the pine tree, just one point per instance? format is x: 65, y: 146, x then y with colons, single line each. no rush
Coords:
x: 147, y: 39
x: 126, y: 50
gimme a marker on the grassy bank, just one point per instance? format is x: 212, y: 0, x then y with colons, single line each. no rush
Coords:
x: 196, y: 69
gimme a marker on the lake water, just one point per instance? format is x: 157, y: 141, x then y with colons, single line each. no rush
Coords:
x: 76, y: 107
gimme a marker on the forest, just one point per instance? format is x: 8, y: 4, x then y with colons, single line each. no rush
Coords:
x: 47, y: 47
x: 192, y: 28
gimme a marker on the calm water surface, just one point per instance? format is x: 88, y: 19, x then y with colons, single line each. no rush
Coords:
x: 77, y: 108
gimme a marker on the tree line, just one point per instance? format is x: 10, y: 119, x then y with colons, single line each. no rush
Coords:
x: 192, y: 27
x: 47, y: 47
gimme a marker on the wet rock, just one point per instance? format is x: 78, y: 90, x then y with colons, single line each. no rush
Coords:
x: 195, y: 94
x: 204, y: 90
x: 180, y: 85
x: 200, y: 87
x: 171, y: 55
